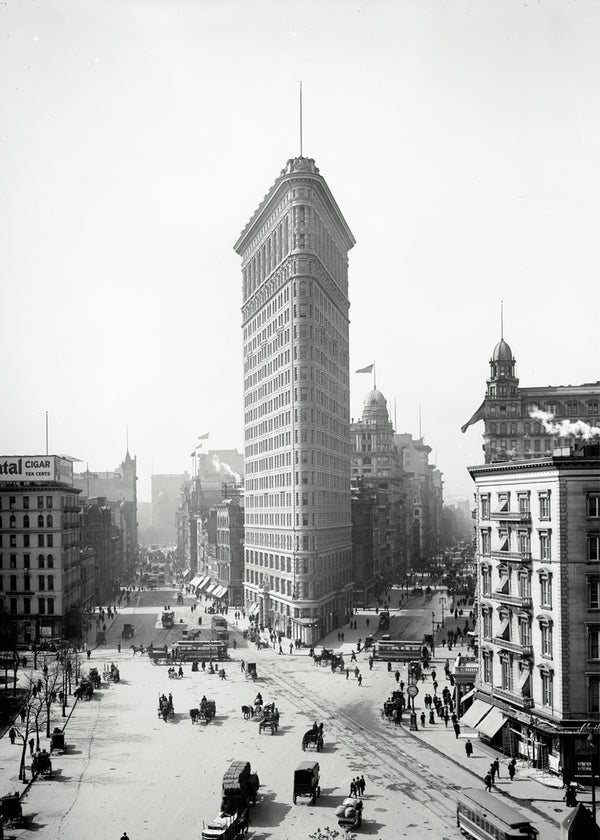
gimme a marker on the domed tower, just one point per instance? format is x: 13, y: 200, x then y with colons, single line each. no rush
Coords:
x: 375, y: 408
x: 502, y: 381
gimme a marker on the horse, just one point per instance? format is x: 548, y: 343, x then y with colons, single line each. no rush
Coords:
x: 248, y: 712
x: 195, y: 715
x: 141, y: 649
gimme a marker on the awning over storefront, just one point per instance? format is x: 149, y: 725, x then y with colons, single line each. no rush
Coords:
x: 254, y: 608
x: 203, y: 583
x: 491, y: 723
x: 220, y: 592
x: 467, y: 695
x: 474, y: 713
x: 195, y: 581
x: 211, y: 589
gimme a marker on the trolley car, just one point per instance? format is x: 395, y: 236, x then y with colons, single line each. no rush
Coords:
x: 481, y: 815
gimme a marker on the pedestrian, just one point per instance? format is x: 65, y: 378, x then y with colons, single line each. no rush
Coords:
x: 22, y: 715
x: 496, y: 768
x: 242, y: 666
x: 488, y: 781
x: 12, y: 734
x: 88, y: 653
x: 180, y: 672
x: 469, y: 748
x: 353, y: 788
x: 389, y: 667
x: 446, y: 719
x: 397, y: 676
x: 360, y: 679
x: 280, y: 648
x: 356, y: 672
x: 511, y: 769
x: 423, y: 718
x: 31, y: 746
x: 124, y: 836
x: 367, y: 622
x: 492, y: 772
x: 457, y: 729
x: 353, y: 657
x: 291, y: 648
x: 570, y: 797
x: 362, y: 785
x: 370, y: 663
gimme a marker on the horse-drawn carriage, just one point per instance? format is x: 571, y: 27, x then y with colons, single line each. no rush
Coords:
x: 159, y: 656
x: 94, y: 677
x: 112, y: 674
x: 205, y: 713
x: 128, y: 631
x: 57, y: 741
x: 41, y: 765
x: 84, y: 690
x: 324, y: 657
x: 306, y: 781
x: 268, y: 718
x: 313, y: 738
x: 251, y: 673
x: 11, y: 810
x: 166, y: 710
x: 349, y: 813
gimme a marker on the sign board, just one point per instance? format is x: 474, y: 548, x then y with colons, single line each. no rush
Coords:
x: 412, y: 690
x: 32, y: 468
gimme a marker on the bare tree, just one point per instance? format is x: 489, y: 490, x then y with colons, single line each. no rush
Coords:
x: 32, y: 709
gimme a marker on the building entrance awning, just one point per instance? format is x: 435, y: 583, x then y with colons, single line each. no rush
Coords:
x: 195, y: 581
x: 220, y: 592
x: 467, y: 695
x: 211, y: 589
x: 254, y: 608
x: 491, y: 723
x: 475, y: 713
x: 203, y: 583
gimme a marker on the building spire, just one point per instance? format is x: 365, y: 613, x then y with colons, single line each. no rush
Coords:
x: 300, y: 119
x: 502, y: 320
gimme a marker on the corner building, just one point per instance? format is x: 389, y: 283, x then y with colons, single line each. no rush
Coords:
x: 298, y: 532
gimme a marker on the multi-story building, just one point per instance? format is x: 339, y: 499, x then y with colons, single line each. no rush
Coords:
x: 298, y: 552
x: 166, y: 497
x: 230, y: 550
x: 119, y: 488
x: 379, y: 489
x: 510, y: 431
x: 105, y: 537
x: 40, y: 565
x: 538, y: 599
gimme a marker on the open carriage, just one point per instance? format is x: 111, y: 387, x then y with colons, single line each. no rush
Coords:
x: 11, y: 810
x: 41, y: 765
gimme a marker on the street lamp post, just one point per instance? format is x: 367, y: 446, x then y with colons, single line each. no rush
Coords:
x: 432, y: 633
x: 443, y: 603
x: 592, y: 751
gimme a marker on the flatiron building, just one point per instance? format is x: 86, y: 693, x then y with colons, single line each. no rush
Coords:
x: 298, y: 552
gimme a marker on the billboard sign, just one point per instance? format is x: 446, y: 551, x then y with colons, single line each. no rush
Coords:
x: 16, y: 468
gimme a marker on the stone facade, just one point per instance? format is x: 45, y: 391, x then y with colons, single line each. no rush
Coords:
x: 298, y: 553
x: 538, y: 582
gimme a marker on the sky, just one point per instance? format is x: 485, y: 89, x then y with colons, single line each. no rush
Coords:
x: 460, y: 140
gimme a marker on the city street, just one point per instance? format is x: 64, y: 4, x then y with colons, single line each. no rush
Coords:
x: 128, y: 770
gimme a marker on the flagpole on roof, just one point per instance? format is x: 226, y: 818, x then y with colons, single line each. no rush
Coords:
x: 374, y: 378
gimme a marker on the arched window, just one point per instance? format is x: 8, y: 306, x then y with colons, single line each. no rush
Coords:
x: 50, y: 561
x: 40, y: 521
x: 49, y: 520
x: 13, y: 521
x: 25, y: 521
x: 40, y: 561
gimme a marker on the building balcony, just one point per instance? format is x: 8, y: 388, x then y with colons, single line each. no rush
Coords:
x: 516, y: 647
x: 511, y: 516
x: 513, y: 697
x: 466, y: 672
x: 512, y: 556
x: 513, y: 600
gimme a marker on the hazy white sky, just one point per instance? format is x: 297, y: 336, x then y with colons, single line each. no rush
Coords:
x: 460, y: 140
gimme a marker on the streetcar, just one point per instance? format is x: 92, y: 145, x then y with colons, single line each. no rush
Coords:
x: 481, y: 815
x: 398, y: 650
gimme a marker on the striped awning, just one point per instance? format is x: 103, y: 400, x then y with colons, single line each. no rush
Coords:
x: 254, y: 608
x: 211, y: 589
x: 204, y: 582
x: 195, y: 581
x: 220, y: 592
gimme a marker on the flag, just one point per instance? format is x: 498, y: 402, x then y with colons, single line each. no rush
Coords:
x: 367, y: 369
x: 203, y: 437
x: 193, y: 455
x: 477, y: 416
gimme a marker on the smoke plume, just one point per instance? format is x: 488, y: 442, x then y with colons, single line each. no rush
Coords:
x: 221, y: 466
x: 565, y: 428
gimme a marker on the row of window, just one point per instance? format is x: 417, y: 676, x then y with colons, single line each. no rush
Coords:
x: 45, y: 606
x: 42, y: 540
x: 43, y: 562
x: 48, y: 522
x: 43, y: 582
x: 523, y: 542
x: 24, y: 502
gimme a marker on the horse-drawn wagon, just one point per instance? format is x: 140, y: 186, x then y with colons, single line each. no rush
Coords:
x: 128, y: 631
x: 313, y: 738
x: 251, y: 673
x: 94, y: 677
x: 159, y: 656
x: 166, y: 710
x: 306, y: 781
x: 41, y: 765
x: 349, y: 813
x: 57, y: 741
x: 11, y: 810
x: 84, y: 690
